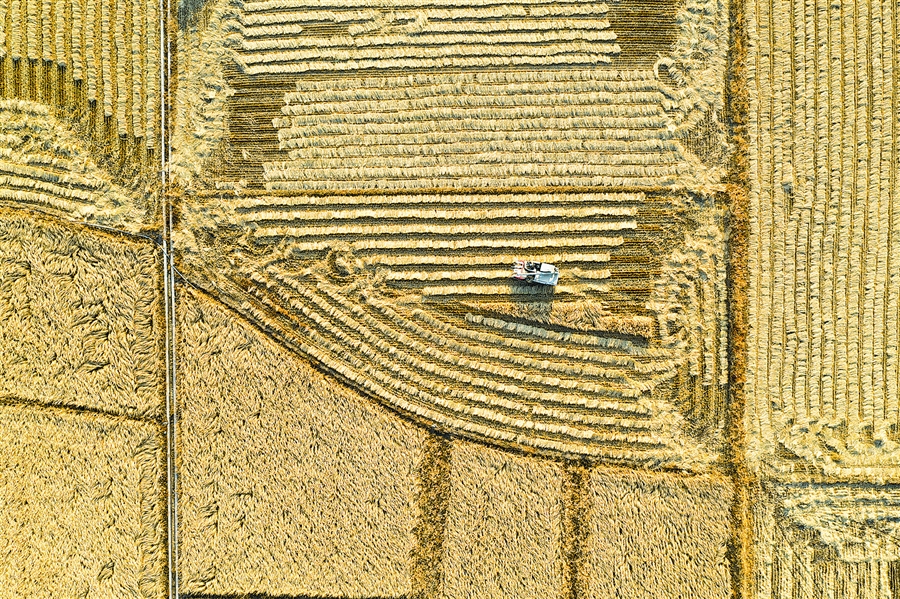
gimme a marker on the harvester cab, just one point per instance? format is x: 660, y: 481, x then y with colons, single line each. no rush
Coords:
x: 535, y: 272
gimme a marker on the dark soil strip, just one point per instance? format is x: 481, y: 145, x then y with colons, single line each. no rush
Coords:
x: 576, y: 525
x: 434, y: 499
x: 740, y: 550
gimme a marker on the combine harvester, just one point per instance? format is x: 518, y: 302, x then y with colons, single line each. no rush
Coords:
x: 535, y: 272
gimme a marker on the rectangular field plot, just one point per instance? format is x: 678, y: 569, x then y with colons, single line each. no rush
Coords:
x: 504, y: 526
x: 657, y: 534
x: 291, y: 484
x: 80, y: 317
x: 83, y: 505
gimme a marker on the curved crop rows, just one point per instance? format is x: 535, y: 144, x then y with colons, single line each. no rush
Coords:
x: 44, y: 166
x: 520, y: 383
x: 595, y: 399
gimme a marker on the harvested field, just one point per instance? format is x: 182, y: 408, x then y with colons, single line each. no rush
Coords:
x: 196, y: 143
x: 513, y: 129
x: 368, y: 219
x: 83, y: 505
x: 80, y: 317
x: 290, y: 483
x: 824, y: 297
x: 504, y: 526
x: 507, y: 94
x: 656, y: 534
x: 44, y: 166
x: 300, y: 36
x: 826, y: 540
x: 99, y: 58
x: 416, y: 284
x: 825, y: 237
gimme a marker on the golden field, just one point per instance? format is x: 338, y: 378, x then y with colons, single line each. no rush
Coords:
x: 505, y: 530
x: 80, y: 317
x: 83, y: 505
x: 345, y: 395
x: 290, y: 484
x: 822, y: 362
x: 658, y: 534
x: 364, y: 205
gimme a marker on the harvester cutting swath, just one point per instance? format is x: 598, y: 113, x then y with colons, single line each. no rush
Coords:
x: 398, y: 295
x: 399, y: 187
x: 603, y: 128
x: 45, y: 167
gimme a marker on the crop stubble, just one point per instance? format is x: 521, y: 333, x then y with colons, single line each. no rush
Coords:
x: 822, y: 365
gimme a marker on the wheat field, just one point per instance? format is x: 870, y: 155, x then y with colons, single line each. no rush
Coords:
x: 657, y: 533
x: 80, y: 317
x: 101, y: 59
x: 290, y: 484
x: 505, y: 526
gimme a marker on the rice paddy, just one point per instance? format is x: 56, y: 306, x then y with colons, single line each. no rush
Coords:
x: 825, y: 217
x: 83, y: 505
x: 258, y: 334
x: 507, y: 129
x: 75, y: 52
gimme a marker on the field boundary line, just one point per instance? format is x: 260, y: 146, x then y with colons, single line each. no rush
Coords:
x: 740, y: 551
x: 427, y: 567
x: 169, y: 302
x: 576, y: 527
x: 15, y: 400
x: 264, y: 596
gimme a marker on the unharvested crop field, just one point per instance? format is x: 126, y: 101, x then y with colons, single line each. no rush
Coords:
x: 83, y: 505
x: 504, y: 526
x: 284, y: 472
x: 657, y: 534
x: 290, y: 483
x: 80, y: 318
